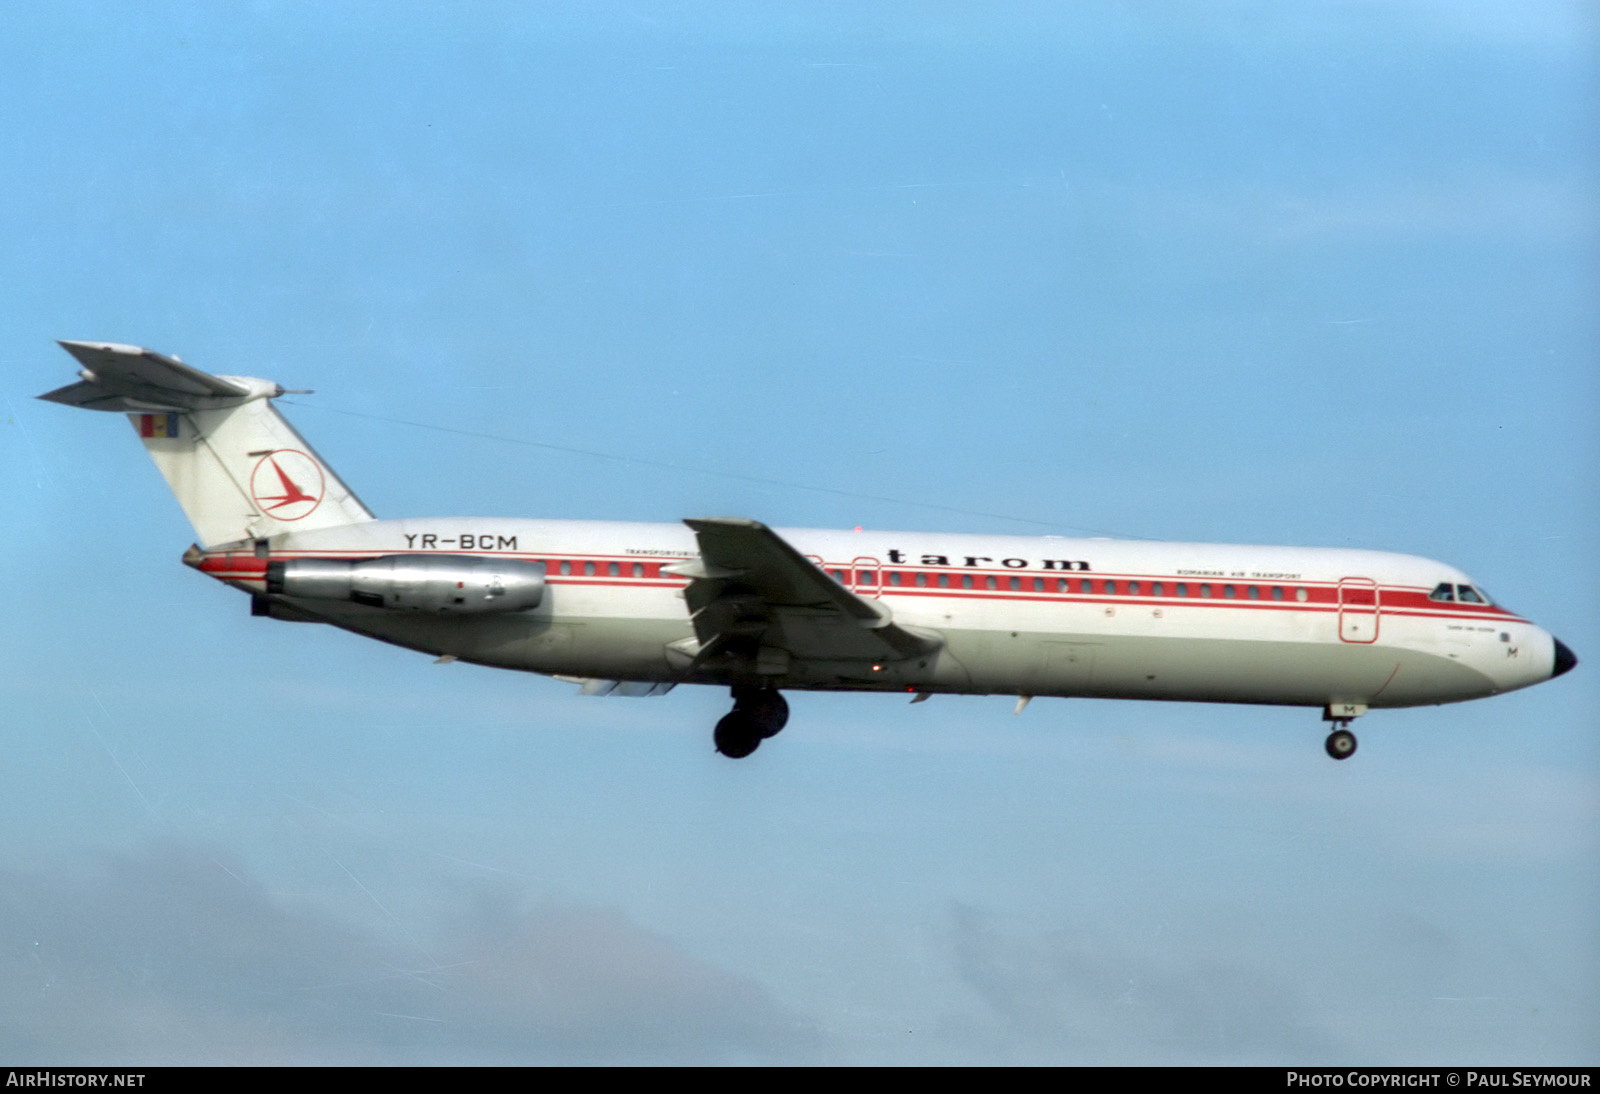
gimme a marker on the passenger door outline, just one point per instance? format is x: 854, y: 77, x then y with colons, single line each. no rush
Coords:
x: 1359, y: 610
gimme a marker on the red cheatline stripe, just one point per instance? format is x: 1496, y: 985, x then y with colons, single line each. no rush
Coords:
x: 1409, y: 601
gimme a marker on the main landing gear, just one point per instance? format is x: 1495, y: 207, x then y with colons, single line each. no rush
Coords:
x: 757, y: 714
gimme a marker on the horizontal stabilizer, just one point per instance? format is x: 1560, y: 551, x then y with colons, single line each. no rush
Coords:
x: 131, y: 379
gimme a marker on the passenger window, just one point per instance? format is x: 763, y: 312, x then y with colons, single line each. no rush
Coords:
x: 922, y: 581
x: 588, y: 569
x: 1253, y: 593
x: 1205, y: 591
x: 1442, y: 591
x: 966, y: 581
x: 638, y: 569
x: 944, y: 581
x: 1277, y: 592
x: 1111, y: 587
x: 866, y: 577
x: 990, y: 583
x: 566, y: 568
x: 1016, y: 583
x: 1063, y: 585
x: 1227, y: 591
x: 1038, y: 584
x: 1133, y: 588
x: 614, y: 569
x: 1156, y: 590
x: 1301, y: 595
x: 1183, y: 588
x: 838, y: 576
x: 894, y: 577
x: 1468, y: 595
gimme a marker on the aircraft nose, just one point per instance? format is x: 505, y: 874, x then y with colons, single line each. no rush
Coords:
x: 1565, y: 659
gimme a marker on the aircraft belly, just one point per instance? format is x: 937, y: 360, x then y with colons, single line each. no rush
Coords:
x: 1107, y: 658
x: 615, y: 648
x: 1210, y: 669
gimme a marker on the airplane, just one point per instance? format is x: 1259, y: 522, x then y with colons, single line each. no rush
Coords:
x: 635, y: 609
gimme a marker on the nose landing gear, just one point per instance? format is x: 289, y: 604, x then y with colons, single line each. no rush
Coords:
x: 758, y: 713
x: 1341, y: 743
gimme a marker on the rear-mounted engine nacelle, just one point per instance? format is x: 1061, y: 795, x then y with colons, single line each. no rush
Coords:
x: 419, y: 583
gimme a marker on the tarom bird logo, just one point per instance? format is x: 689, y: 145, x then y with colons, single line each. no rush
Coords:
x: 291, y: 491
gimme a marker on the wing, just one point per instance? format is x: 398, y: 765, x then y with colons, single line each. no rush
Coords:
x: 751, y: 593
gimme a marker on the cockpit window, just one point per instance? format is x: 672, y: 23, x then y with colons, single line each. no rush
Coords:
x: 1442, y: 591
x: 1468, y: 595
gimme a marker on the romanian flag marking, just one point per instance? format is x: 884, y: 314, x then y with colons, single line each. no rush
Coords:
x: 158, y: 425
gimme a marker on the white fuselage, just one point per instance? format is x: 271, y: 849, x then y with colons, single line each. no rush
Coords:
x: 1020, y: 616
x: 637, y: 608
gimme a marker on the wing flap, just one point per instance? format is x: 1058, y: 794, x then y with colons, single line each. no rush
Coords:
x: 627, y: 689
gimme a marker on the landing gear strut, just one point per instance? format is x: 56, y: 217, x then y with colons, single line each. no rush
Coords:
x: 757, y: 714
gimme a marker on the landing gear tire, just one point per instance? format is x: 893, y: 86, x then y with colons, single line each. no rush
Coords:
x: 1341, y: 744
x: 758, y: 713
x: 766, y: 708
x: 737, y: 735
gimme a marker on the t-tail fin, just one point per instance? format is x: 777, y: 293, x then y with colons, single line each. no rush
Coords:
x: 239, y: 470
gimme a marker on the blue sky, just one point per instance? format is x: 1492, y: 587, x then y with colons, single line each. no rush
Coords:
x: 1318, y: 276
